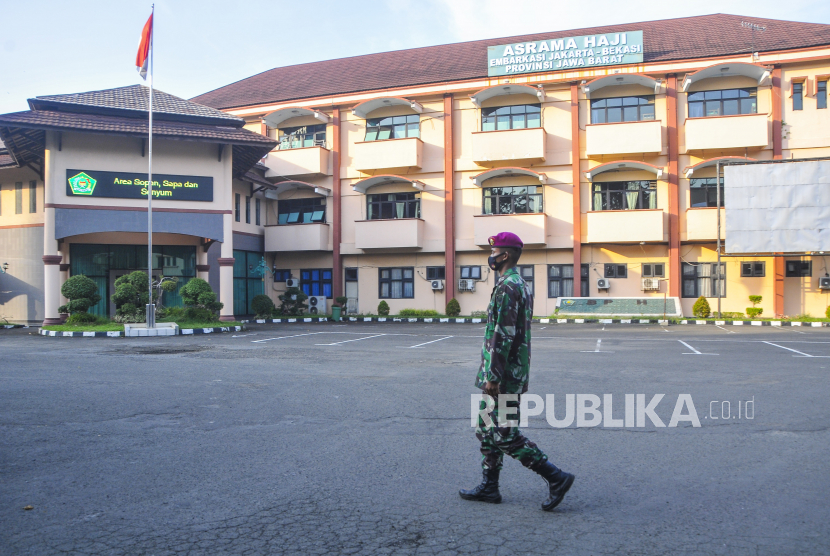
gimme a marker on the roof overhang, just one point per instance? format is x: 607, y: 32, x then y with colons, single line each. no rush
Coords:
x: 712, y: 162
x: 621, y: 79
x: 386, y: 179
x: 618, y: 165
x: 284, y: 186
x: 479, y: 179
x: 275, y: 118
x: 507, y: 89
x: 754, y: 71
x: 368, y: 106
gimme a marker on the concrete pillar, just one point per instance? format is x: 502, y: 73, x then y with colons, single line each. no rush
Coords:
x: 202, y: 264
x: 51, y: 256
x: 226, y: 270
x: 51, y: 288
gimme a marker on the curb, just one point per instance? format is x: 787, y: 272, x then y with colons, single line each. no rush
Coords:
x: 119, y: 334
x: 7, y: 326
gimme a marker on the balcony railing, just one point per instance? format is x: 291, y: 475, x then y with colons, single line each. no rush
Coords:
x: 531, y: 227
x: 387, y: 154
x: 702, y: 224
x: 396, y: 233
x: 727, y: 132
x: 624, y: 138
x: 306, y: 161
x: 510, y: 144
x: 625, y: 226
x: 297, y: 237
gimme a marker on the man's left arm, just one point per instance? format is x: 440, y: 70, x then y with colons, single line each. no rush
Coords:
x: 506, y: 319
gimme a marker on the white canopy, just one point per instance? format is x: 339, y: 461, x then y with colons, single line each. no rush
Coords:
x: 507, y: 89
x: 275, y: 118
x: 759, y: 73
x: 508, y: 171
x: 366, y: 107
x: 621, y: 79
x: 385, y: 179
x: 623, y: 165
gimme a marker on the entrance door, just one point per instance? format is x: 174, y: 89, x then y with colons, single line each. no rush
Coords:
x: 351, y: 290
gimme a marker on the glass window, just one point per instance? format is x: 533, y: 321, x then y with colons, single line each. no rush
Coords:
x: 625, y: 195
x: 561, y: 280
x: 386, y: 206
x: 316, y: 281
x: 236, y: 207
x: 625, y: 109
x: 703, y: 192
x: 526, y: 272
x: 281, y: 274
x: 753, y: 269
x: 701, y: 279
x: 797, y: 269
x: 32, y: 197
x: 303, y: 136
x: 258, y: 211
x: 616, y: 271
x: 396, y: 283
x: 653, y: 270
x: 821, y: 94
x: 350, y: 274
x: 520, y: 199
x: 729, y: 102
x: 247, y: 210
x: 471, y: 272
x: 435, y: 272
x: 301, y: 211
x: 18, y: 197
x: 247, y: 280
x: 798, y: 96
x: 511, y: 117
x: 393, y: 127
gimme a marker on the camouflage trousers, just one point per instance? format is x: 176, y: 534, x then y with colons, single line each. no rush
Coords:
x: 497, y: 441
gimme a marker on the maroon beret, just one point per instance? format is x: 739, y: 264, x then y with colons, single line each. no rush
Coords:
x: 506, y: 239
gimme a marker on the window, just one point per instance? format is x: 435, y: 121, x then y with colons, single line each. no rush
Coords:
x: 561, y: 280
x: 435, y: 272
x: 247, y: 280
x: 393, y: 127
x: 753, y: 269
x: 236, y: 207
x: 316, y: 281
x: 526, y: 271
x: 393, y: 205
x: 303, y: 136
x: 729, y: 102
x: 351, y: 274
x: 281, y: 274
x: 704, y: 192
x: 470, y: 272
x: 258, y: 211
x: 301, y: 211
x: 32, y: 197
x: 397, y: 283
x: 821, y: 94
x: 18, y: 197
x: 626, y: 109
x: 511, y: 117
x: 798, y: 269
x: 616, y: 271
x: 247, y: 210
x: 653, y: 270
x: 701, y: 279
x: 512, y: 200
x: 625, y: 195
x: 798, y: 96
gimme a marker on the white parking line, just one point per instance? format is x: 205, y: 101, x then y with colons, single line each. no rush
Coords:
x: 800, y: 354
x: 781, y: 329
x: 284, y: 337
x: 243, y: 335
x: 597, y: 350
x: 354, y: 340
x: 425, y: 343
x: 724, y: 329
x: 696, y: 352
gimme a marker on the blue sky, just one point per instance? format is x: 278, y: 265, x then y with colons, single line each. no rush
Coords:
x: 54, y: 47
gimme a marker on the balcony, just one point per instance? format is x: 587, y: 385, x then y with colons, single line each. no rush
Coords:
x: 387, y: 154
x: 532, y: 228
x: 396, y: 233
x: 307, y: 161
x: 702, y: 224
x: 625, y: 226
x: 727, y: 132
x: 624, y: 138
x: 297, y: 237
x: 509, y: 144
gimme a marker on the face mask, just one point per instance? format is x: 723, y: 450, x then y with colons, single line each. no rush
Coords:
x: 493, y: 264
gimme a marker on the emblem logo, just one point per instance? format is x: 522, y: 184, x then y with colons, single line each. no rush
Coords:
x: 82, y: 184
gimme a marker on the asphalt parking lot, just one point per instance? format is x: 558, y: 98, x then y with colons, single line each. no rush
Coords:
x: 354, y: 439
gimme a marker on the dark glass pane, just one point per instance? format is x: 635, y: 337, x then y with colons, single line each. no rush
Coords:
x: 503, y: 122
x: 505, y: 205
x: 712, y: 95
x: 698, y: 197
x: 517, y: 109
x: 647, y: 112
x: 798, y: 101
x: 730, y: 94
x: 713, y: 108
x: 533, y: 108
x: 615, y: 200
x: 759, y: 269
x: 696, y: 110
x: 630, y: 114
x: 609, y: 271
x: 695, y: 97
x: 613, y: 102
x: 598, y: 116
x: 658, y: 270
x: 749, y: 106
x: 534, y: 120
x: 614, y: 115
x: 730, y: 108
x: 631, y: 101
x: 503, y: 111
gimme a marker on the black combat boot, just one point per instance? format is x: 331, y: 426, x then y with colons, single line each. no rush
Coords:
x: 487, y: 491
x: 558, y: 481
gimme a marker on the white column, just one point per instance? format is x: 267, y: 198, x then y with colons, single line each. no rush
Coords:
x: 226, y: 269
x: 202, y: 266
x: 51, y: 256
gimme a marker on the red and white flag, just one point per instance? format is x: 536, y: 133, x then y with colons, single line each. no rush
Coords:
x: 143, y: 56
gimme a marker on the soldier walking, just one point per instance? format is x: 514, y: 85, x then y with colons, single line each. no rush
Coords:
x: 505, y: 366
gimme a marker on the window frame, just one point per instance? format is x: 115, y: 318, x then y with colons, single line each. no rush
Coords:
x: 247, y: 209
x: 652, y: 273
x: 806, y: 270
x: 821, y: 94
x: 32, y: 197
x: 514, y: 114
x: 709, y: 187
x: 436, y: 273
x: 411, y: 204
x: 615, y: 270
x: 529, y: 280
x: 473, y: 272
x: 281, y: 274
x: 595, y: 109
x: 304, y: 206
x: 389, y: 281
x: 300, y: 137
x: 529, y: 198
x: 321, y: 280
x: 410, y: 127
x: 18, y: 197
x: 606, y: 192
x: 753, y: 269
x: 258, y: 211
x: 584, y: 287
x: 797, y: 94
x: 694, y: 103
x: 347, y: 271
x: 695, y: 280
x: 238, y: 207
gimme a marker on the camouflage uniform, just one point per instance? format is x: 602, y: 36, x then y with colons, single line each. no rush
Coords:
x: 505, y: 359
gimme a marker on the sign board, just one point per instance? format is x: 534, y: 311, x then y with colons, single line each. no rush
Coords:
x: 124, y: 185
x: 612, y: 49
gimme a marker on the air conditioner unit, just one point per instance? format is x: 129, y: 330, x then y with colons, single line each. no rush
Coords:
x: 824, y: 283
x: 292, y: 283
x: 437, y: 284
x: 651, y: 284
x: 603, y: 284
x: 317, y: 304
x: 466, y: 285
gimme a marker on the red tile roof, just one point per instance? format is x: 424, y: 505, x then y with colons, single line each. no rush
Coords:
x: 664, y: 40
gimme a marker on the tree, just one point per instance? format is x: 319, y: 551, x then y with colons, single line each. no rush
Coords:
x: 383, y: 309
x: 754, y: 311
x: 131, y: 293
x: 262, y: 306
x: 199, y: 299
x: 701, y: 308
x: 453, y: 308
x: 82, y: 293
x: 292, y: 302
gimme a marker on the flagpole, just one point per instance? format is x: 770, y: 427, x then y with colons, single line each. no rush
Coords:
x: 151, y: 308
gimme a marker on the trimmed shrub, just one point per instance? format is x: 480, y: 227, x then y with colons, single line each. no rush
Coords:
x: 453, y: 308
x: 82, y: 318
x: 131, y: 295
x: 479, y: 314
x: 262, y: 306
x: 755, y: 299
x: 827, y: 312
x: 341, y: 301
x: 701, y: 308
x: 754, y: 312
x: 418, y: 313
x: 292, y: 302
x: 82, y: 293
x: 197, y: 294
x: 383, y: 309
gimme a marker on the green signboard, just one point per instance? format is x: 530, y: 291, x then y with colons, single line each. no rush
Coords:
x: 612, y: 49
x: 124, y: 185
